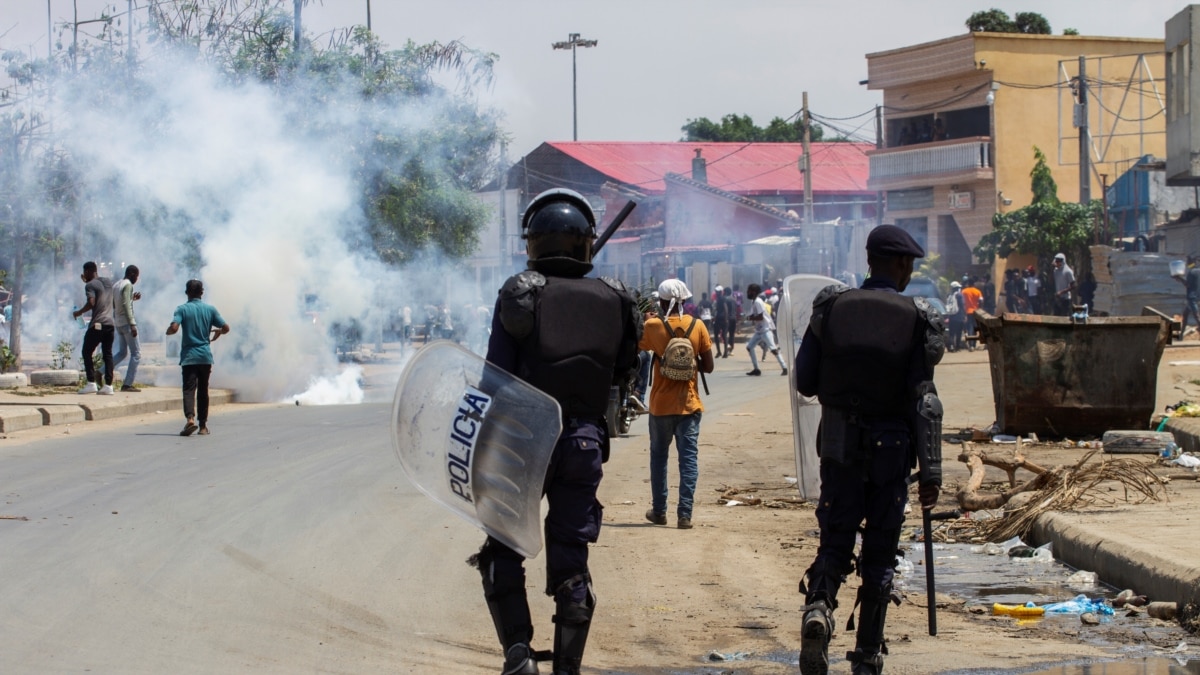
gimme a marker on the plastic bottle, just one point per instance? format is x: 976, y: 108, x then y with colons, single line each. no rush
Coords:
x: 79, y: 319
x: 1020, y: 611
x: 1171, y: 451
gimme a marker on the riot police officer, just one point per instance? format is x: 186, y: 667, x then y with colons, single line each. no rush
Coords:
x: 570, y: 336
x: 868, y: 356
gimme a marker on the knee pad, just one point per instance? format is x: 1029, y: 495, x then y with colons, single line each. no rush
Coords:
x: 574, y: 600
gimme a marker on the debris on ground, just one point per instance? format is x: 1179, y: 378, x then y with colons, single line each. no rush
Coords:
x: 1062, y: 488
x: 751, y: 496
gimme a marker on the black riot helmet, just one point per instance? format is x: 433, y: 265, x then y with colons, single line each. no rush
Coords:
x: 559, y: 224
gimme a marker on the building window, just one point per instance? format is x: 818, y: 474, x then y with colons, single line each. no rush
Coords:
x: 910, y: 200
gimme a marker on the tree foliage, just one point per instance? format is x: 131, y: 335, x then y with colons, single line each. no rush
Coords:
x: 735, y: 128
x: 1045, y: 227
x: 997, y: 21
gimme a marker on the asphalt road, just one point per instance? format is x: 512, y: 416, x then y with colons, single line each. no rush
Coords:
x: 288, y: 541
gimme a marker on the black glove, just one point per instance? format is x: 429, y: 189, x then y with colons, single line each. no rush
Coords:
x: 928, y: 494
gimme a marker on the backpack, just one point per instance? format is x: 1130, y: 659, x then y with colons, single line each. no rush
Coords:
x: 952, y: 304
x: 679, y: 357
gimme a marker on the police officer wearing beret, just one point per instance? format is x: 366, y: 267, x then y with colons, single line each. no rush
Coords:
x: 868, y: 356
x: 573, y: 337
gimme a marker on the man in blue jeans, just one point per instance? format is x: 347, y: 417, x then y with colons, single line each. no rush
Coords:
x: 201, y: 324
x: 675, y: 407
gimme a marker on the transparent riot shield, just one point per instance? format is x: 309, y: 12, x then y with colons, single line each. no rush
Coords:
x: 794, y: 311
x: 476, y: 440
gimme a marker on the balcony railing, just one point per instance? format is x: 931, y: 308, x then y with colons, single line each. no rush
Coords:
x: 963, y: 154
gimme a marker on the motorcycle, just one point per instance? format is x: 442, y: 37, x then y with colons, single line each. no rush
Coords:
x: 623, y: 406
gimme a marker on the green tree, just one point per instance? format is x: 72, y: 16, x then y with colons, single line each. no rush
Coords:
x: 1045, y: 227
x: 990, y: 21
x: 997, y: 21
x: 742, y: 129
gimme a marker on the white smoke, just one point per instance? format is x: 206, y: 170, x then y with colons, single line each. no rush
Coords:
x: 276, y: 214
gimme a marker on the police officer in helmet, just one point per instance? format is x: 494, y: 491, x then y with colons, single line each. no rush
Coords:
x: 868, y: 356
x: 572, y: 337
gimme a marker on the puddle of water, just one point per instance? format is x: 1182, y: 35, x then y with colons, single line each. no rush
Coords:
x: 984, y: 579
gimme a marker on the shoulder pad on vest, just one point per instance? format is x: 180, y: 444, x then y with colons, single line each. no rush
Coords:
x: 935, y: 338
x: 821, y: 303
x: 615, y: 284
x: 518, y: 302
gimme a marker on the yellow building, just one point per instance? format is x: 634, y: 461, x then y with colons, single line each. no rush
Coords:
x: 962, y: 116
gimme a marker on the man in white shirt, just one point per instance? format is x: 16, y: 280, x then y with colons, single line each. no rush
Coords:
x: 763, y: 325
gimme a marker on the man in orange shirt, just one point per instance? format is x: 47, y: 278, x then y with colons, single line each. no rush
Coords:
x: 972, y: 298
x: 675, y: 407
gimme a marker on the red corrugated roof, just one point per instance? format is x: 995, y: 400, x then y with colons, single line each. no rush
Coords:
x: 746, y: 169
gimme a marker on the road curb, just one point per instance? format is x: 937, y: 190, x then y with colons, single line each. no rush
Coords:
x: 1120, y: 564
x: 22, y: 416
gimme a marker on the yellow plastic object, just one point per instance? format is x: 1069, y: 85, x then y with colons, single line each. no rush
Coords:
x: 1019, y: 611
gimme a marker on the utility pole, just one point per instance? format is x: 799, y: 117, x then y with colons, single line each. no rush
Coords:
x: 878, y: 146
x: 808, y: 203
x: 504, y: 257
x: 1081, y: 121
x: 368, y: 16
x: 572, y: 42
x: 297, y: 6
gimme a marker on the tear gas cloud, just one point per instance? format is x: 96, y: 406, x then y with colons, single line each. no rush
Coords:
x: 191, y: 162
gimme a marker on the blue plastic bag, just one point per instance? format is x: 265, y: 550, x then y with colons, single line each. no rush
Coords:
x: 1079, y: 605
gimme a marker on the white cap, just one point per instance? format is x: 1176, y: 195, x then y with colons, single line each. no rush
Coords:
x: 955, y: 284
x: 718, y: 288
x: 673, y: 289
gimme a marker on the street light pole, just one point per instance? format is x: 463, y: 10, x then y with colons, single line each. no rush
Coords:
x: 573, y: 41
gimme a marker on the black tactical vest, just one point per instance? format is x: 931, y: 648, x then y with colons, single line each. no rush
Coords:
x: 867, y: 342
x: 572, y: 351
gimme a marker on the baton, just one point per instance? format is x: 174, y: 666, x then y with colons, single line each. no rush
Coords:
x: 927, y: 518
x: 612, y: 227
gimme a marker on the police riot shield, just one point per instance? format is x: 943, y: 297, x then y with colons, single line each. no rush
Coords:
x: 477, y: 440
x: 795, y: 308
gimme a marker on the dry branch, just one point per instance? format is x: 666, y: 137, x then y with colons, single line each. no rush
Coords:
x: 1059, y: 489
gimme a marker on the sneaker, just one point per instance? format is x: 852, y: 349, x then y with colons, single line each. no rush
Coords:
x: 106, y: 390
x: 130, y: 389
x: 756, y: 371
x: 783, y: 372
x: 656, y: 518
x: 89, y: 388
x: 203, y: 431
x: 684, y: 523
x: 519, y: 660
x: 640, y: 408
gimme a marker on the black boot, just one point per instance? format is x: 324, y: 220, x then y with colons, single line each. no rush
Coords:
x: 815, y: 632
x: 869, y: 647
x: 509, y: 607
x: 816, y: 628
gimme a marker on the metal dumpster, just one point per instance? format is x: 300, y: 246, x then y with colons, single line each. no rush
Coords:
x: 1055, y: 377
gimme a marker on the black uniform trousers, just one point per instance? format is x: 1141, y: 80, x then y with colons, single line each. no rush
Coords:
x: 874, y: 491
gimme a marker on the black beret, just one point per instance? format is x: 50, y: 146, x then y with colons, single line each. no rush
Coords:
x: 889, y: 240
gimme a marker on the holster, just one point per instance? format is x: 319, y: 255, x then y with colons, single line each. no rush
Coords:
x: 927, y: 434
x: 840, y: 436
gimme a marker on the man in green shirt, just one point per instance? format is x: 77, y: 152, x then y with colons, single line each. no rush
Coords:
x: 201, y: 324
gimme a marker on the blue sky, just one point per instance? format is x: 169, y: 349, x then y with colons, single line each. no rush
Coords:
x: 660, y: 62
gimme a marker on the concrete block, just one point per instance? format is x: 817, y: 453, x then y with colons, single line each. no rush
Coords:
x: 19, y: 417
x: 61, y: 414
